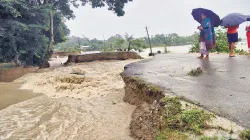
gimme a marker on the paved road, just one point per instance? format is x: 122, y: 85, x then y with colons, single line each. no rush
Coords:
x: 223, y: 88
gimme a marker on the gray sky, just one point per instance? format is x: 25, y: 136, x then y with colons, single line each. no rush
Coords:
x: 161, y: 16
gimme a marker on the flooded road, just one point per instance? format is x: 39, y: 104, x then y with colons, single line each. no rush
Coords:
x: 67, y: 110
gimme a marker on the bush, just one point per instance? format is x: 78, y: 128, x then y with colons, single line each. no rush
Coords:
x: 221, y: 43
x: 245, y: 135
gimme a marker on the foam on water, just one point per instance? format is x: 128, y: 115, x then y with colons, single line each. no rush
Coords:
x: 90, y: 112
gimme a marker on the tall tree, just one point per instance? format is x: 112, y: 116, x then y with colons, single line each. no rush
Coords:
x: 21, y: 30
x: 61, y: 7
x: 114, y: 5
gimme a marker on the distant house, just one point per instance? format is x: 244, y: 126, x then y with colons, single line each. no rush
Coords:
x: 84, y: 47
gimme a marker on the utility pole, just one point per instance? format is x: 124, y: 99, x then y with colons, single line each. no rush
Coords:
x: 86, y: 39
x: 79, y: 43
x: 149, y: 42
x: 103, y: 42
x: 165, y: 42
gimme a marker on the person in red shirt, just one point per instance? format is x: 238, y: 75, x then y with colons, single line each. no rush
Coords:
x: 248, y: 37
x: 232, y: 36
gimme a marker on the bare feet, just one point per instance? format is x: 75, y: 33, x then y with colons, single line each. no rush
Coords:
x: 231, y: 55
x: 207, y: 57
x: 201, y: 57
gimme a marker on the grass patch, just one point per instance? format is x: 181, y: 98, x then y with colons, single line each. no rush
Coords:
x: 172, y: 107
x: 241, y: 52
x: 169, y: 134
x: 139, y: 81
x: 210, y: 138
x: 195, y: 119
x: 181, y: 121
x: 141, y: 84
x: 155, y: 88
x: 245, y: 135
x: 195, y: 72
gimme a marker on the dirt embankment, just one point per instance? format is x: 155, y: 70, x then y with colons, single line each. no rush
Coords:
x: 102, y: 56
x: 10, y: 74
x: 63, y: 54
x: 146, y: 119
x: 155, y: 117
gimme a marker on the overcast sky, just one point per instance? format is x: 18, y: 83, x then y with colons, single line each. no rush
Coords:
x: 161, y: 16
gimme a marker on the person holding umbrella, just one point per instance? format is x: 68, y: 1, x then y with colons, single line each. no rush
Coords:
x: 208, y: 20
x: 232, y: 22
x: 207, y: 34
x: 248, y: 35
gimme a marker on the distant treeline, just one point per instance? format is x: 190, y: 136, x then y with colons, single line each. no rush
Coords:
x: 123, y: 42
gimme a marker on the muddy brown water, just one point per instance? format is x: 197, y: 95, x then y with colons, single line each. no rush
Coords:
x: 41, y: 118
x: 11, y: 94
x: 93, y: 110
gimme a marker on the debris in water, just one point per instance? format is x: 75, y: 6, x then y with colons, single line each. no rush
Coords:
x: 78, y: 71
x: 70, y: 79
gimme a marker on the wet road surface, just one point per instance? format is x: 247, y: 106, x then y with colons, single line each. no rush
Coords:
x: 223, y: 88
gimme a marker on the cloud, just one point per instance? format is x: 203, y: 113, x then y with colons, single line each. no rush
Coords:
x: 161, y: 16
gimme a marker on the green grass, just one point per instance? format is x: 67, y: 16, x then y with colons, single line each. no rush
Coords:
x: 173, y: 107
x: 179, y: 121
x: 245, y: 135
x: 195, y: 120
x: 210, y: 138
x: 155, y: 88
x: 169, y: 134
x: 141, y: 84
x: 195, y: 72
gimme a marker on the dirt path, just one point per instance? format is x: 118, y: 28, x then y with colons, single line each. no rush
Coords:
x: 87, y: 106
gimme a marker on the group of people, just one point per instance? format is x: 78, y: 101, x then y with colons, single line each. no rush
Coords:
x: 208, y: 37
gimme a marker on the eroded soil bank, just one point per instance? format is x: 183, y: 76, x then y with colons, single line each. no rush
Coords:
x: 152, y: 118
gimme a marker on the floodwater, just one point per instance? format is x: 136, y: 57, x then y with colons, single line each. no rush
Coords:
x: 184, y: 49
x: 172, y: 49
x: 11, y: 94
x: 72, y: 107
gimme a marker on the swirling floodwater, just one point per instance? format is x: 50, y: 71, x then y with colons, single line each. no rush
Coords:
x: 71, y: 107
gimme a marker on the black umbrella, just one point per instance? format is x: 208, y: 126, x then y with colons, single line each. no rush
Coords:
x: 233, y: 19
x: 210, y: 14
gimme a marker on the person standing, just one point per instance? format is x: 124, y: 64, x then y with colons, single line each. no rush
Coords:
x: 248, y: 37
x: 203, y: 50
x: 207, y: 29
x: 232, y: 37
